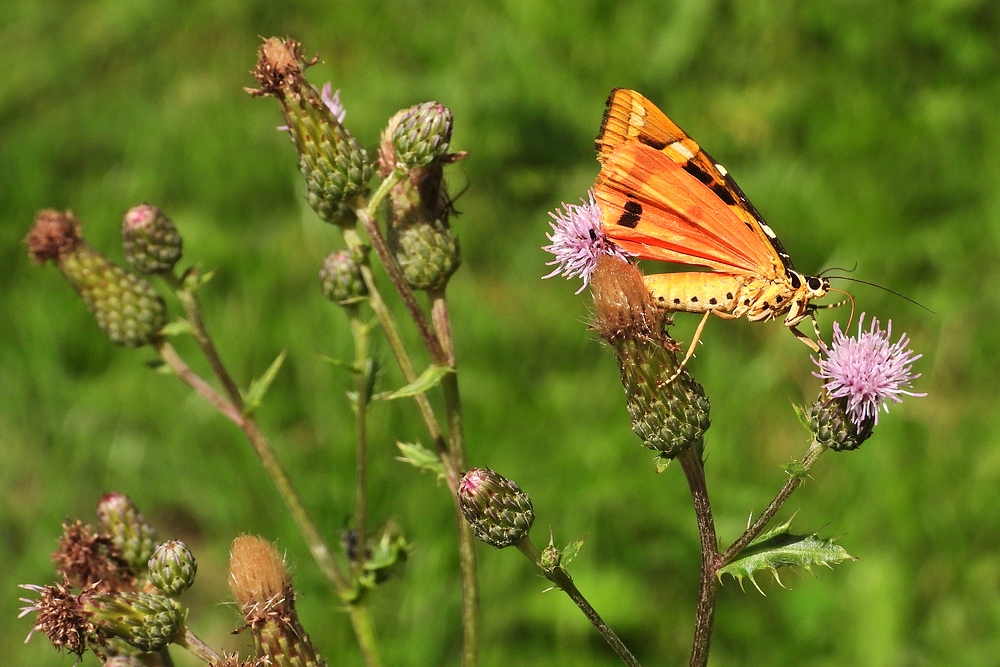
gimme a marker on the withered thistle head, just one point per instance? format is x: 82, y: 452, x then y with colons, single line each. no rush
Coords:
x: 669, y: 410
x: 126, y: 307
x: 87, y: 558
x: 61, y: 618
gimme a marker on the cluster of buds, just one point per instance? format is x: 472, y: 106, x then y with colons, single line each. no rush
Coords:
x: 118, y: 594
x: 126, y: 307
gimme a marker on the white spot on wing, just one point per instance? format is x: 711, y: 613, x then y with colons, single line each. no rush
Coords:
x: 682, y: 149
x: 635, y: 120
x: 768, y: 231
x: 722, y: 170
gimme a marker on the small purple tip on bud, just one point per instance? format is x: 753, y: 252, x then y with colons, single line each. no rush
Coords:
x: 578, y: 241
x: 867, y: 372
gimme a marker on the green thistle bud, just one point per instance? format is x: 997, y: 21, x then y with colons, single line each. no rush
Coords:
x: 147, y: 621
x: 151, y: 242
x: 833, y: 427
x: 129, y: 530
x: 498, y: 511
x: 127, y: 308
x: 172, y: 568
x: 421, y: 134
x: 262, y: 588
x: 669, y: 410
x: 340, y: 278
x: 335, y: 166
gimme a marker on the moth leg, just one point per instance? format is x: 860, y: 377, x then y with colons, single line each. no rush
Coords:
x: 806, y: 339
x: 691, y: 347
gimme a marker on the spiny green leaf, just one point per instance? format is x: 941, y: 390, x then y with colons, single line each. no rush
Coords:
x: 193, y: 279
x: 259, y: 387
x: 428, y: 379
x: 178, y: 327
x: 802, y: 414
x: 661, y: 463
x: 420, y: 457
x: 570, y: 552
x: 779, y: 548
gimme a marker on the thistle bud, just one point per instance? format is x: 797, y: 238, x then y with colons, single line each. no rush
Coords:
x: 262, y: 588
x: 130, y: 532
x: 150, y: 240
x: 833, y: 427
x: 335, y: 166
x: 499, y: 512
x: 145, y: 620
x: 669, y: 410
x: 340, y: 278
x: 421, y: 134
x: 172, y: 568
x: 127, y: 308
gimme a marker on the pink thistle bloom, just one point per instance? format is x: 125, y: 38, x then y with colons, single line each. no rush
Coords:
x: 578, y: 240
x: 867, y: 371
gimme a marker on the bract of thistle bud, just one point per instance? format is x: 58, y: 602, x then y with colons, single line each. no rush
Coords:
x: 498, y: 511
x: 422, y: 134
x: 833, y: 426
x: 150, y: 240
x: 126, y: 307
x: 128, y: 528
x: 341, y: 279
x: 172, y: 568
x: 145, y: 620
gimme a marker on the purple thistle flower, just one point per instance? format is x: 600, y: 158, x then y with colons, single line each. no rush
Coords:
x: 868, y: 371
x: 577, y: 240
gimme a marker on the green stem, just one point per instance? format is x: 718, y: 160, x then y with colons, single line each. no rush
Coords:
x: 282, y: 482
x: 765, y: 517
x: 694, y: 470
x: 362, y: 364
x: 560, y: 577
x: 364, y: 630
x: 191, y: 642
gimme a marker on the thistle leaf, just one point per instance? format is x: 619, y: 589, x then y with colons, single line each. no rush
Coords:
x: 420, y: 457
x: 258, y: 388
x: 178, y: 327
x: 428, y: 379
x: 779, y: 548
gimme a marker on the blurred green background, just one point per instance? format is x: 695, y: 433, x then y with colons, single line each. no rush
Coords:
x: 866, y: 133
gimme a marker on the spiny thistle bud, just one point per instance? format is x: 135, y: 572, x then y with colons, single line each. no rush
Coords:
x: 127, y: 308
x: 150, y: 240
x: 340, y: 278
x: 335, y: 166
x: 832, y: 426
x: 669, y: 410
x: 233, y: 660
x: 262, y: 588
x: 172, y: 568
x: 145, y: 620
x: 421, y: 134
x: 129, y: 530
x: 499, y: 512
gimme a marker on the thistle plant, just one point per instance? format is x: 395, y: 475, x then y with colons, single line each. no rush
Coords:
x: 119, y: 589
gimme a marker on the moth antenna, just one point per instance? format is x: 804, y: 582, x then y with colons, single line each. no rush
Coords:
x: 884, y: 289
x: 839, y: 268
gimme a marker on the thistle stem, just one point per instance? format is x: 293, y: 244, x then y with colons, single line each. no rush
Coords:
x: 560, y: 577
x: 361, y: 385
x: 694, y: 471
x: 765, y: 517
x: 191, y: 642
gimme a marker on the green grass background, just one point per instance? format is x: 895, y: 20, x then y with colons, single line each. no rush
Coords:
x: 867, y: 133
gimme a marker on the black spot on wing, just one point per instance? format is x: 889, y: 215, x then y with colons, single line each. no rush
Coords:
x: 723, y: 193
x: 698, y: 172
x: 651, y: 142
x: 632, y: 214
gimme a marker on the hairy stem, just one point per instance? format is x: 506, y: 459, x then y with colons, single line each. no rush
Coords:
x: 560, y: 577
x: 765, y: 517
x: 694, y: 470
x: 362, y: 368
x: 191, y: 642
